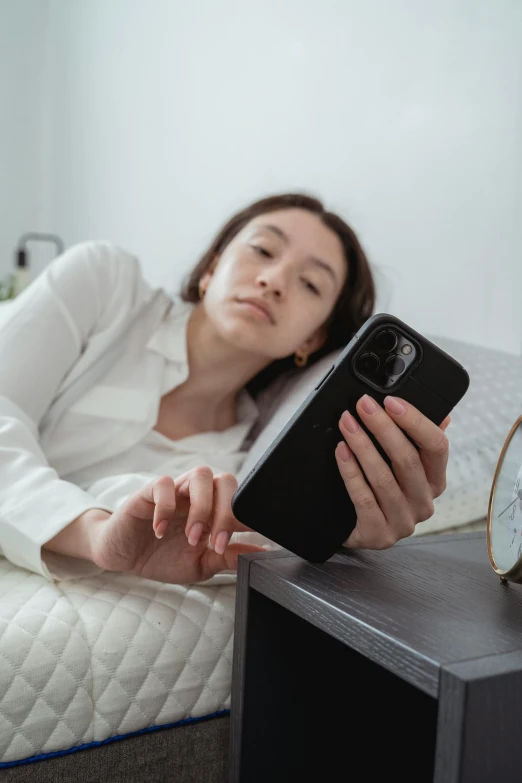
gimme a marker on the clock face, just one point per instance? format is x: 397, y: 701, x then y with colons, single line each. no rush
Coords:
x: 506, y: 509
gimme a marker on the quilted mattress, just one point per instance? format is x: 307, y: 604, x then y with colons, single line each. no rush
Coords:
x: 82, y: 661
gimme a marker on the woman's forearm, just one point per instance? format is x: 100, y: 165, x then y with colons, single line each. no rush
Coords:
x: 79, y: 537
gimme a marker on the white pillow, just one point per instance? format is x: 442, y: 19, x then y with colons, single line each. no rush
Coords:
x: 479, y: 426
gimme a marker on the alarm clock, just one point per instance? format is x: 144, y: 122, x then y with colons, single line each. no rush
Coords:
x: 504, y: 521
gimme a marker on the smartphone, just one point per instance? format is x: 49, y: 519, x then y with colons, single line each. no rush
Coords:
x: 294, y: 495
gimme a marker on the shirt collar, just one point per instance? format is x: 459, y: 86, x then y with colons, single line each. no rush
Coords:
x: 170, y: 341
x: 170, y: 337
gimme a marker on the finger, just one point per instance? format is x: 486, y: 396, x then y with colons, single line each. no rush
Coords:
x: 198, y: 487
x: 378, y: 475
x: 372, y: 529
x: 212, y: 562
x: 156, y: 501
x: 444, y: 425
x: 184, y: 481
x: 405, y: 458
x: 433, y: 444
x: 164, y: 498
x: 224, y: 522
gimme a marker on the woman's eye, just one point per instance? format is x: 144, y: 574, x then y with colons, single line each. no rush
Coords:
x: 262, y: 251
x: 311, y: 287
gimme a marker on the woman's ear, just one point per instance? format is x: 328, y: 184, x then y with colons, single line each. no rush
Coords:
x: 206, y: 277
x: 314, y: 342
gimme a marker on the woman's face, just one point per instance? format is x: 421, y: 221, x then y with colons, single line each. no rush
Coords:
x: 275, y: 284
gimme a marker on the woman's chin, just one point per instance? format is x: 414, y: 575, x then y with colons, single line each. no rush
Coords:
x: 245, y: 335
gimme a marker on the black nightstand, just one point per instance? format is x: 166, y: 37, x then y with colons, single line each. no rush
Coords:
x: 404, y: 664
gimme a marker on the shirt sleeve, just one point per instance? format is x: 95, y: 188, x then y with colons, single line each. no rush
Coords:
x: 79, y: 297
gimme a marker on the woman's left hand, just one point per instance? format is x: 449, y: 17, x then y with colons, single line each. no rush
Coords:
x: 390, y: 501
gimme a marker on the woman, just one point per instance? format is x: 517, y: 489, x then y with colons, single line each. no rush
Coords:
x: 124, y: 415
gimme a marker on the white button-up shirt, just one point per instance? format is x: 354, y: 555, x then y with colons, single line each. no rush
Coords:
x: 112, y: 479
x: 86, y: 353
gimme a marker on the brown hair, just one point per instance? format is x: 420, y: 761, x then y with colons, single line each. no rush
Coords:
x: 355, y: 302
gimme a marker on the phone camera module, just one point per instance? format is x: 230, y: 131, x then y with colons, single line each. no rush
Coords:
x: 394, y: 366
x: 387, y: 357
x: 368, y: 363
x: 386, y: 341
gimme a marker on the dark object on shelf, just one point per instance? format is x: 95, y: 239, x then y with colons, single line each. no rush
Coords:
x: 21, y: 276
x: 22, y: 256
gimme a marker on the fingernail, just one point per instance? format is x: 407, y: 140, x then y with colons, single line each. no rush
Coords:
x: 350, y: 423
x: 221, y: 542
x: 368, y: 404
x: 394, y: 405
x: 161, y: 527
x: 344, y: 452
x: 195, y: 533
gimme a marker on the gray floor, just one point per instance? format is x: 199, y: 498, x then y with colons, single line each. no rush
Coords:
x: 195, y: 753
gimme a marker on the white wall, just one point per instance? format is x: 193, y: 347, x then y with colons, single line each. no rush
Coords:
x: 23, y: 33
x: 163, y: 117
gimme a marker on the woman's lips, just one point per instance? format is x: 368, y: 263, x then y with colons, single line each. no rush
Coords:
x: 256, y: 309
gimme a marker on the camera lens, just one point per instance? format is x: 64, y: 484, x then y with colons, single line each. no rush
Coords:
x: 386, y: 341
x: 368, y: 363
x: 394, y: 365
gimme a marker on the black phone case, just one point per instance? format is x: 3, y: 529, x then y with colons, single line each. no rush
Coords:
x: 295, y: 495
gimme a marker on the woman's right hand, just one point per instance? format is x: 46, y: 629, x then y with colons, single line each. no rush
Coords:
x: 153, y: 533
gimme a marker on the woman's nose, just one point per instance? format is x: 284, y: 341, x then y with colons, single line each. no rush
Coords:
x: 272, y: 282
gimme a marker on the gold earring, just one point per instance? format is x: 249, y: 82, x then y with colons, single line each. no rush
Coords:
x: 202, y: 290
x: 300, y: 359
